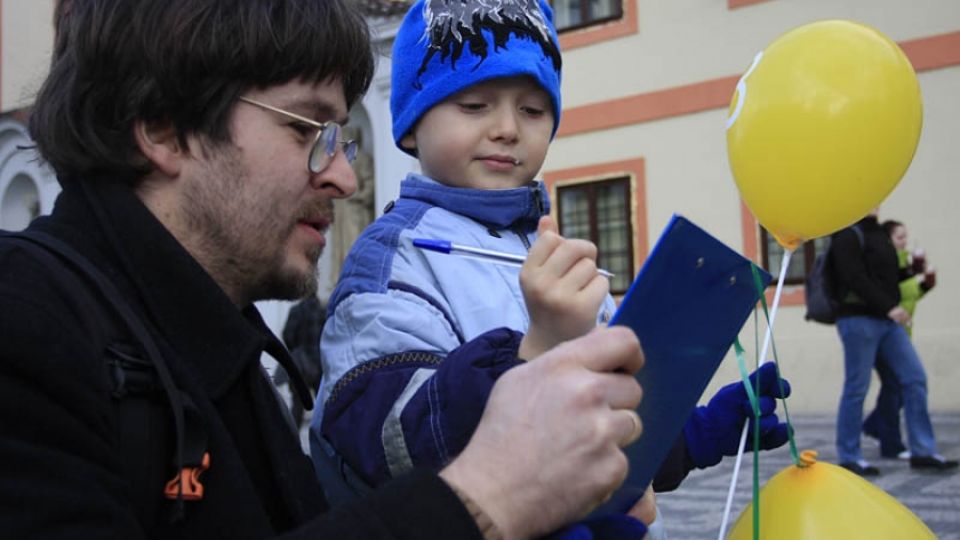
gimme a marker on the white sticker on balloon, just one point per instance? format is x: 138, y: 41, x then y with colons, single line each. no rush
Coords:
x: 742, y: 90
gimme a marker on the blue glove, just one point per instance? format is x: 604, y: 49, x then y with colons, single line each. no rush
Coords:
x: 713, y: 431
x: 607, y: 527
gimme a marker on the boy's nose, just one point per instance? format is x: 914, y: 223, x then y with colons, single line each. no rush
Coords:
x: 505, y: 126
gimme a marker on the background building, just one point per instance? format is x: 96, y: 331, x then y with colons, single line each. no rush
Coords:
x: 646, y: 87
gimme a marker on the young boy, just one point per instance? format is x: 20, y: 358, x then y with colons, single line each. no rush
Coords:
x: 406, y: 350
x: 415, y: 340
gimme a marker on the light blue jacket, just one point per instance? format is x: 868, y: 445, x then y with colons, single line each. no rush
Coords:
x: 408, y: 356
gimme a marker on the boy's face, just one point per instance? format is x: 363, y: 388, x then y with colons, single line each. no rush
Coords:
x: 493, y: 135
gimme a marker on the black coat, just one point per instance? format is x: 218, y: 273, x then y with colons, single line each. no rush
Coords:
x: 867, y: 276
x: 67, y: 470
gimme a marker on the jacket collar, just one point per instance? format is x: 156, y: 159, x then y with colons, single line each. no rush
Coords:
x: 499, y: 208
x: 191, y: 312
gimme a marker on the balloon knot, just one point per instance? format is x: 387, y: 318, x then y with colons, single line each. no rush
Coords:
x: 807, y: 458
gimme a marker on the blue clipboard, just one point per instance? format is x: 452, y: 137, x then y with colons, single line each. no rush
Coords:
x: 687, y: 305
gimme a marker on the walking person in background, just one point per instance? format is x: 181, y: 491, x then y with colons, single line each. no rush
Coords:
x: 916, y: 279
x: 871, y: 324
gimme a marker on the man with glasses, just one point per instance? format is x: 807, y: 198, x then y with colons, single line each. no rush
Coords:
x: 198, y: 146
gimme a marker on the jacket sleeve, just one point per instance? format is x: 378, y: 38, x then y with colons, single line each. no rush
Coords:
x: 400, y: 389
x: 417, y: 506
x: 852, y: 273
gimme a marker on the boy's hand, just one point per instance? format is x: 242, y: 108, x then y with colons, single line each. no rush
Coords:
x: 562, y: 289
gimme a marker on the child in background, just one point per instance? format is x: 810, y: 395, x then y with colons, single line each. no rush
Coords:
x: 415, y: 340
x: 916, y: 279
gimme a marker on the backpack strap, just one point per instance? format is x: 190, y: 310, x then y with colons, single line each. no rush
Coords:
x: 130, y: 373
x: 859, y: 233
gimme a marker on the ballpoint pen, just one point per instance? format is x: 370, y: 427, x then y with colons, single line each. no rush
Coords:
x: 480, y: 254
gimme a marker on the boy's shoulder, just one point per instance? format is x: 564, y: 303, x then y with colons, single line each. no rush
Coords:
x: 383, y: 253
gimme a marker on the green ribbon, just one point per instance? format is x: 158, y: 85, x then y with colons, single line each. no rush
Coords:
x: 752, y: 389
x: 758, y: 283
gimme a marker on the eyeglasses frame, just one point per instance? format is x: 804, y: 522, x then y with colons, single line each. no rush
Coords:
x: 348, y: 147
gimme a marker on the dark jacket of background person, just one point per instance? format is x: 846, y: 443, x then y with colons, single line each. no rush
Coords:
x: 66, y: 468
x: 301, y: 335
x: 868, y: 279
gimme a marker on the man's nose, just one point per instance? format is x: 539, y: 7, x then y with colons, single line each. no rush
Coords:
x: 337, y: 177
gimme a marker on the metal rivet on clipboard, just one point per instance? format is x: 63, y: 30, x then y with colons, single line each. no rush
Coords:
x: 700, y: 262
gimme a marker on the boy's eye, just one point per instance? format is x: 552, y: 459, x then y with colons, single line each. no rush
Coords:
x: 533, y: 111
x: 472, y: 106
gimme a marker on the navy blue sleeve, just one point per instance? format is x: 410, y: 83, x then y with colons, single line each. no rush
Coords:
x: 409, y: 409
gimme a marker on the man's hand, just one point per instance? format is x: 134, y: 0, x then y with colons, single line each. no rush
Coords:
x: 561, y: 288
x: 548, y: 447
x: 713, y: 431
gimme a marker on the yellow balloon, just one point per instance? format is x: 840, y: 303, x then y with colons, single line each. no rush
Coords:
x: 822, y: 501
x: 822, y: 127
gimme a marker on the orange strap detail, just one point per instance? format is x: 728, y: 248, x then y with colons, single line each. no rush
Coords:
x: 189, y: 481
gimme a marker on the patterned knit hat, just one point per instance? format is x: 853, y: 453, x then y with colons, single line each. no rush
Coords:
x: 445, y: 46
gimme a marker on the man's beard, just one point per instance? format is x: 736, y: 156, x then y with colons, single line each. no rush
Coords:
x: 287, y: 283
x: 240, y: 242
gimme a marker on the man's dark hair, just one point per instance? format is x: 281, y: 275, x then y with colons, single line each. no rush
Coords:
x: 184, y: 62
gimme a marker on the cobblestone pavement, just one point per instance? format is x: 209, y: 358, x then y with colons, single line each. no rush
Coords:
x: 695, y: 510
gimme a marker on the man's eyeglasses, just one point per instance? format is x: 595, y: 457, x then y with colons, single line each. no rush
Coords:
x: 324, y: 144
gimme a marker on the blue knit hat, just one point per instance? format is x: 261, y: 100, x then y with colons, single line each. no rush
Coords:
x: 445, y: 46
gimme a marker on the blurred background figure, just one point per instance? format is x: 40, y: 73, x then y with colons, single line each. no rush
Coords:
x: 916, y: 279
x: 301, y: 335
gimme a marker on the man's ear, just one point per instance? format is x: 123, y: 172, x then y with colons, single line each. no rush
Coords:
x: 159, y: 144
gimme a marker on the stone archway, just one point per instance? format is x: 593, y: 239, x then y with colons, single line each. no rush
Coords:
x: 28, y: 187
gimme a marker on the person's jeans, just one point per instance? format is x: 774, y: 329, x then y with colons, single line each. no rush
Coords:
x: 864, y: 339
x: 884, y: 422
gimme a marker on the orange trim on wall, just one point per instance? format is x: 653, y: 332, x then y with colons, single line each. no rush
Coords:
x: 748, y: 226
x: 634, y: 168
x: 649, y: 106
x: 933, y: 52
x: 792, y: 295
x: 734, y: 4
x: 925, y: 54
x: 625, y: 26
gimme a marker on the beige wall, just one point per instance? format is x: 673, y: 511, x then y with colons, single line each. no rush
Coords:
x: 690, y: 42
x: 26, y: 36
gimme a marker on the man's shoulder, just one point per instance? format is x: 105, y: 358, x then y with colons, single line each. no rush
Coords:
x: 44, y: 313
